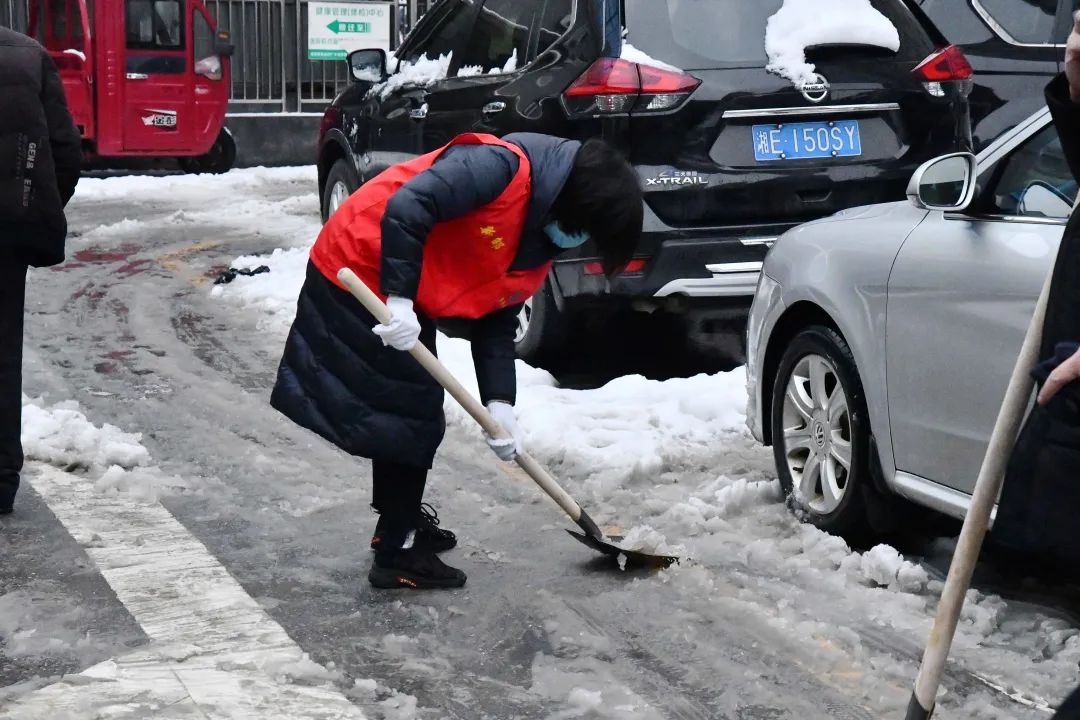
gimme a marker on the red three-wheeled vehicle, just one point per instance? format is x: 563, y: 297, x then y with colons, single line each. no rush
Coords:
x: 144, y: 78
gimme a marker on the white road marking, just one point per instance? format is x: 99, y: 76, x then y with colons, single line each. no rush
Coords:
x: 214, y: 652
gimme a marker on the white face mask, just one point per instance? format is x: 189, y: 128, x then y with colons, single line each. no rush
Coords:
x: 562, y: 239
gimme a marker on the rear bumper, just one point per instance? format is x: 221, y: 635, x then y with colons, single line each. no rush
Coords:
x: 681, y: 267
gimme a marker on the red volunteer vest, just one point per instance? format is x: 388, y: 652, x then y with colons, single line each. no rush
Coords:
x: 466, y: 268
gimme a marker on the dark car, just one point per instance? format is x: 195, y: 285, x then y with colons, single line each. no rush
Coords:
x: 1014, y: 46
x: 730, y: 155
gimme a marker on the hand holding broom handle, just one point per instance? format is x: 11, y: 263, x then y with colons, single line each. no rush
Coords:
x: 376, y: 307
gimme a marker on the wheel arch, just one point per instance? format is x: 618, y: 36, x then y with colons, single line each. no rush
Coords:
x: 334, y: 148
x: 795, y: 319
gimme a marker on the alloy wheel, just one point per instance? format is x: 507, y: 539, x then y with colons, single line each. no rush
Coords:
x: 339, y: 193
x: 523, y: 319
x: 817, y: 434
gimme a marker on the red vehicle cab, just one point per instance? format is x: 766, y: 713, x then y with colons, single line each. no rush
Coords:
x: 143, y: 78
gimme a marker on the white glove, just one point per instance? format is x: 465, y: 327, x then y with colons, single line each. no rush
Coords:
x: 507, y: 449
x: 403, y: 330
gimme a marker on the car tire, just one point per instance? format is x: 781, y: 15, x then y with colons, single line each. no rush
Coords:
x: 819, y: 422
x: 542, y: 327
x: 342, y: 178
x: 218, y: 160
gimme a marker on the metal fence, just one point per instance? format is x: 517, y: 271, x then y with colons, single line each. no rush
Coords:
x: 14, y: 14
x: 270, y: 69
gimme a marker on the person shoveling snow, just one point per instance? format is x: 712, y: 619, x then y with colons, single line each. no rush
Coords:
x: 468, y: 231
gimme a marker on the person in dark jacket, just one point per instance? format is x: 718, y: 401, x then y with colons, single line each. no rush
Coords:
x: 1062, y: 324
x: 40, y: 159
x: 468, y: 232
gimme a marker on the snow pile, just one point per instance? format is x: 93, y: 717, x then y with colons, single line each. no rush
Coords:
x: 200, y: 190
x: 883, y: 566
x: 801, y: 24
x: 273, y: 294
x: 632, y: 54
x: 127, y: 226
x: 475, y: 70
x: 420, y: 72
x: 145, y: 485
x: 61, y: 435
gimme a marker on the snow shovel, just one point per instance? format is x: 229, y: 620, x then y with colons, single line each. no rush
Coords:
x: 987, y: 489
x: 590, y: 534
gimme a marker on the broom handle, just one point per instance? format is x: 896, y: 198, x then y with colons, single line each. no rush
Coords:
x: 977, y: 520
x: 479, y: 413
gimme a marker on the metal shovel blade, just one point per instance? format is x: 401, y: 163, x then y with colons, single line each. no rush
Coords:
x: 634, y: 558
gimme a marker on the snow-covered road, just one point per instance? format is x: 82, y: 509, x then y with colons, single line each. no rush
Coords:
x: 768, y: 618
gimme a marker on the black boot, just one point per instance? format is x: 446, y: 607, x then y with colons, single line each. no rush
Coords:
x: 429, y: 536
x: 413, y: 567
x: 9, y: 484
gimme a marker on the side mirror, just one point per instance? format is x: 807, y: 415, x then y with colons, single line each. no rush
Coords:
x: 368, y: 65
x: 224, y: 48
x: 946, y: 183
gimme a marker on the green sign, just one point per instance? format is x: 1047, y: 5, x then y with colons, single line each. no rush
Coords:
x: 349, y: 27
x: 314, y: 54
x: 335, y: 27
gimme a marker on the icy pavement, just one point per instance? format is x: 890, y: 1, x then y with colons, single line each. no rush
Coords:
x: 768, y: 618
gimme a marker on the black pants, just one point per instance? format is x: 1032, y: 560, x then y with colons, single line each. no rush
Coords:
x: 397, y: 493
x: 12, y: 303
x: 1070, y: 708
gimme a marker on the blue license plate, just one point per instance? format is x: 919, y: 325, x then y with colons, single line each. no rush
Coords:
x: 810, y: 140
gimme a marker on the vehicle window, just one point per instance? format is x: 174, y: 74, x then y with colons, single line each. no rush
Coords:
x: 1026, y: 21
x: 500, y: 38
x: 203, y: 36
x: 446, y: 34
x: 695, y: 35
x: 58, y: 17
x: 1034, y: 181
x: 155, y: 25
x: 556, y: 19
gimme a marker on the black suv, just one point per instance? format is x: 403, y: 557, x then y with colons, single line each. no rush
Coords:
x: 1015, y: 47
x: 730, y: 155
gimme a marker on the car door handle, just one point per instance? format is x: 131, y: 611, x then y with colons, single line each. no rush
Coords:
x: 419, y: 113
x: 137, y: 76
x: 494, y: 108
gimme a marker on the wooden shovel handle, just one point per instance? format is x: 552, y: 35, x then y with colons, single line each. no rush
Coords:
x: 479, y: 413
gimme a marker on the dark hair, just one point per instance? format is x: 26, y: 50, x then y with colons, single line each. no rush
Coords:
x: 603, y: 197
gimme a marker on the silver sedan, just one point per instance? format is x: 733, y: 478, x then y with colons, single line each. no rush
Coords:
x: 881, y: 339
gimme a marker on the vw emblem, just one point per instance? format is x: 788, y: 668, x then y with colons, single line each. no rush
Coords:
x: 815, y: 90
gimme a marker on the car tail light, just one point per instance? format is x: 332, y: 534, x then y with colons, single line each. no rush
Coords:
x: 330, y: 119
x: 612, y: 86
x: 946, y: 64
x: 634, y: 267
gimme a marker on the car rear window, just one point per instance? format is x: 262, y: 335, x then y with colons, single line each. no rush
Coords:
x: 703, y: 34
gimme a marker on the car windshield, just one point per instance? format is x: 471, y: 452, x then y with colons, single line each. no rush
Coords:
x: 703, y: 34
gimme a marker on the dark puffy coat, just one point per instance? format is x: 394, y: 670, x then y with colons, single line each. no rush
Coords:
x: 40, y: 154
x: 1063, y: 310
x: 1036, y: 515
x: 337, y: 379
